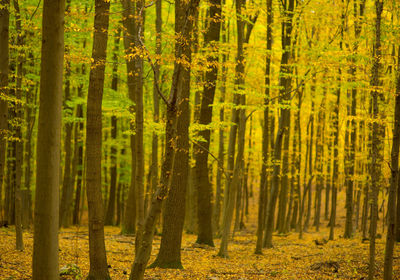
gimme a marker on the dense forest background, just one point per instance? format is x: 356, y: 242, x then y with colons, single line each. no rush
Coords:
x: 218, y: 119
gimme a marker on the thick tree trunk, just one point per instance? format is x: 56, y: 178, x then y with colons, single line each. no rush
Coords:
x: 45, y: 242
x: 169, y: 255
x: 143, y: 254
x: 97, y: 250
x: 204, y: 189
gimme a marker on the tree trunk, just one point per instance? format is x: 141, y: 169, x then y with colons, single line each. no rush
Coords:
x: 45, y: 242
x: 390, y: 235
x: 129, y: 23
x: 204, y: 189
x: 143, y: 254
x: 221, y: 136
x: 67, y: 186
x: 310, y: 157
x: 266, y: 135
x: 4, y: 61
x: 97, y: 251
x: 18, y: 144
x: 110, y: 214
x: 319, y: 157
x: 169, y: 255
x: 156, y: 99
x: 78, y: 150
x: 284, y: 96
x: 377, y: 133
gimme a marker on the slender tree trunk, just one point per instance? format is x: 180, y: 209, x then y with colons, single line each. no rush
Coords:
x: 129, y: 23
x: 310, y: 157
x: 319, y: 156
x: 266, y: 135
x: 156, y: 99
x: 283, y: 196
x: 4, y: 61
x: 232, y: 167
x: 67, y: 186
x: 221, y: 136
x: 335, y: 171
x: 45, y: 242
x: 390, y: 235
x: 376, y: 137
x: 284, y: 96
x: 138, y: 80
x: 79, y: 153
x: 299, y: 213
x: 110, y: 214
x: 68, y: 179
x: 17, y: 144
x: 30, y: 118
x: 97, y: 250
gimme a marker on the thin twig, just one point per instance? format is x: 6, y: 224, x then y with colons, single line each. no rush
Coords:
x: 220, y: 165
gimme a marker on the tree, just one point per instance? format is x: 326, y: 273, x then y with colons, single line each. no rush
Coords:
x: 45, y: 244
x: 67, y: 186
x: 376, y: 136
x: 284, y: 81
x: 266, y: 136
x: 109, y: 220
x: 97, y: 251
x: 185, y: 13
x: 17, y: 143
x: 204, y: 189
x: 238, y: 118
x: 169, y: 255
x: 391, y: 234
x: 4, y: 61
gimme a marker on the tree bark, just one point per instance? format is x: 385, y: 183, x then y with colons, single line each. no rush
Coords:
x: 45, y: 242
x: 110, y: 214
x: 390, y: 234
x: 284, y: 96
x: 143, y: 254
x: 129, y: 23
x: 204, y: 189
x: 377, y: 133
x: 17, y: 143
x: 97, y: 252
x: 4, y: 61
x: 169, y: 255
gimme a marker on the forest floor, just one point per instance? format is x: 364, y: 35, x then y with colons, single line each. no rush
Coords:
x: 290, y: 258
